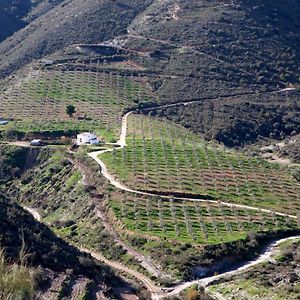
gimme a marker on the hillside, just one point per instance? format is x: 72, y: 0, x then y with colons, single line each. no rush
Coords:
x: 71, y: 198
x: 71, y: 22
x: 69, y: 212
x: 53, y: 183
x: 195, y: 105
x: 57, y: 261
x: 241, y: 44
x: 18, y: 14
x: 227, y: 55
x: 215, y: 48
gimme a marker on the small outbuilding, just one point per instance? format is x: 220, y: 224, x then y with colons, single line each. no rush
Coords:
x: 87, y: 138
x: 3, y: 122
x: 36, y: 142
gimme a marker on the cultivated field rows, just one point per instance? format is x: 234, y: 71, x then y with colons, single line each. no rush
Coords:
x: 38, y: 103
x: 198, y: 222
x: 160, y: 157
x: 167, y: 158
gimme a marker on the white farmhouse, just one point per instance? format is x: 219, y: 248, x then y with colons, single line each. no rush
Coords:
x: 87, y: 138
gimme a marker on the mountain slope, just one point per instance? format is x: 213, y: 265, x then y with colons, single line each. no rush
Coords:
x: 238, y: 120
x: 71, y: 22
x: 214, y: 48
x: 208, y: 48
x: 225, y: 51
x: 63, y: 267
x: 230, y: 55
x: 17, y: 14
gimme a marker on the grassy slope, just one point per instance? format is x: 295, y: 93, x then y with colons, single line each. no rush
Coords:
x: 51, y: 184
x: 54, y: 186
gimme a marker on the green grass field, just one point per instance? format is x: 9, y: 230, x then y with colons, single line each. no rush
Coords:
x: 38, y: 103
x: 165, y: 157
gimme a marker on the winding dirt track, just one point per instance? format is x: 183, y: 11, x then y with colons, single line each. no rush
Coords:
x: 265, y: 257
x: 144, y: 261
x: 151, y: 287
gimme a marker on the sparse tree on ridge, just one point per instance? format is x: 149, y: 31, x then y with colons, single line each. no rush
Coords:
x: 70, y: 110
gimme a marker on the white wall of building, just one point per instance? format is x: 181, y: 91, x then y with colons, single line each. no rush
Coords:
x: 87, y: 138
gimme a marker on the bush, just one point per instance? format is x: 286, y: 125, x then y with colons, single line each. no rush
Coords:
x: 296, y: 174
x: 9, y: 134
x: 193, y: 294
x: 17, y: 281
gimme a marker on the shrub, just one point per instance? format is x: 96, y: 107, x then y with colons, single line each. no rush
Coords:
x: 17, y: 281
x: 193, y: 294
x: 296, y: 174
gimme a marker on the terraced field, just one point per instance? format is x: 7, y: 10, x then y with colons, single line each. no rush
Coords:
x: 197, y: 222
x: 165, y: 158
x: 38, y: 103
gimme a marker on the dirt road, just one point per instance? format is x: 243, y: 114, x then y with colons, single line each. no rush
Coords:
x: 152, y: 288
x: 34, y: 213
x: 264, y: 257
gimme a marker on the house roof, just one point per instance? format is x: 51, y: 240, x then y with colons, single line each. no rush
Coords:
x: 86, y: 134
